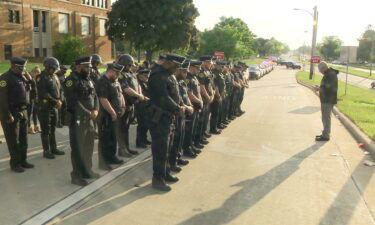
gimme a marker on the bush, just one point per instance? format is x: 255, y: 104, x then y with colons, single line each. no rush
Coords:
x: 68, y: 49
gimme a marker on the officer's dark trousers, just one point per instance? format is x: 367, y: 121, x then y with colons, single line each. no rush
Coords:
x: 62, y: 112
x: 198, y: 127
x: 107, y: 139
x: 231, y: 104
x: 16, y: 137
x: 120, y: 132
x: 178, y: 140
x: 48, y: 121
x: 142, y: 127
x: 128, y: 117
x: 82, y: 144
x: 203, y: 118
x: 190, y: 128
x: 215, y: 114
x: 32, y: 113
x: 161, y: 134
x: 224, y: 110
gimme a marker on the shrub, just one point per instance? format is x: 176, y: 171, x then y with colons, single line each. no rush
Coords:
x: 68, y: 49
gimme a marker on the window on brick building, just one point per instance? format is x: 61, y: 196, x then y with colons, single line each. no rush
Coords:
x: 36, y: 52
x: 44, y: 21
x: 85, y: 25
x: 102, y: 31
x: 106, y: 4
x: 36, y: 20
x: 63, y: 23
x: 8, y: 52
x: 14, y: 16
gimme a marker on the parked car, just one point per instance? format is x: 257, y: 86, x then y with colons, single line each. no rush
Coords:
x: 293, y: 65
x: 254, y: 72
x: 336, y: 62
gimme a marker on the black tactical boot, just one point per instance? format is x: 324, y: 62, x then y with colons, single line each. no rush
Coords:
x: 160, y: 185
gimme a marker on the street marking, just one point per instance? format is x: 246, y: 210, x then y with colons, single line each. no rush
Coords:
x: 31, y: 153
x: 56, y: 209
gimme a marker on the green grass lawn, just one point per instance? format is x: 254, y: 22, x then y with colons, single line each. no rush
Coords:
x: 358, y: 104
x: 255, y: 60
x: 354, y: 72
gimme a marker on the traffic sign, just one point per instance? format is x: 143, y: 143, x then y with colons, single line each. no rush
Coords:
x: 219, y: 55
x: 315, y: 59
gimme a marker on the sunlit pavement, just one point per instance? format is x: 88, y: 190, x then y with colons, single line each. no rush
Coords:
x: 264, y: 169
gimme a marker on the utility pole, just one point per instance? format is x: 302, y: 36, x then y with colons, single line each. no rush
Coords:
x: 313, y: 45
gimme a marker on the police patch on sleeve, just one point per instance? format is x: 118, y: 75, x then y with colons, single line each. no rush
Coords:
x: 3, y: 83
x: 69, y: 83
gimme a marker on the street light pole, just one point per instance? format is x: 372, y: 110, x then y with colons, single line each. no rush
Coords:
x: 313, y: 45
x: 315, y: 31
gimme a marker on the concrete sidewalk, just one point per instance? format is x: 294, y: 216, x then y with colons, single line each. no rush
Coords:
x: 265, y: 168
x: 24, y: 195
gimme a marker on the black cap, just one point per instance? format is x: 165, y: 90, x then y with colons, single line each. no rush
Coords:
x: 205, y: 58
x: 185, y: 65
x: 18, y: 61
x: 195, y: 63
x: 145, y: 72
x: 83, y: 60
x: 222, y: 63
x: 175, y: 58
x: 63, y: 67
x: 115, y: 67
x: 161, y: 57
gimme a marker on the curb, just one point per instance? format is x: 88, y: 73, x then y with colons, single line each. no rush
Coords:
x: 356, y: 133
x: 51, y: 212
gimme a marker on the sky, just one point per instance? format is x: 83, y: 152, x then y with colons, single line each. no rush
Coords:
x: 346, y: 19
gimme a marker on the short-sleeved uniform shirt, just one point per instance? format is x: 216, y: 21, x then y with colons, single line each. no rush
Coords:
x: 49, y: 90
x: 205, y: 78
x: 129, y: 80
x: 193, y: 86
x: 111, y: 91
x: 80, y: 90
x: 13, y: 93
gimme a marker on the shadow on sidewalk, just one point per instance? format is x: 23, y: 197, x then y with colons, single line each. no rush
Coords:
x: 253, y: 190
x: 339, y: 215
x: 306, y: 110
x: 130, y: 188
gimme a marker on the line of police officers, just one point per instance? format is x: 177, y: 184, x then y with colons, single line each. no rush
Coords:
x: 174, y: 101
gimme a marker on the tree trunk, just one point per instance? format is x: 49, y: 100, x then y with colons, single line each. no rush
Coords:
x: 149, y: 54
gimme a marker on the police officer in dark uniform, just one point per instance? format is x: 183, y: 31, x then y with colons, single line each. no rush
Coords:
x: 14, y: 98
x: 96, y: 61
x: 228, y: 90
x: 83, y: 108
x: 140, y: 110
x: 49, y: 101
x: 132, y: 94
x: 192, y: 121
x: 208, y: 94
x: 61, y: 112
x: 179, y: 132
x: 164, y: 105
x: 112, y: 107
x: 219, y: 95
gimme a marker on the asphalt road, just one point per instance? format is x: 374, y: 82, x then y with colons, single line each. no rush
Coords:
x: 264, y: 169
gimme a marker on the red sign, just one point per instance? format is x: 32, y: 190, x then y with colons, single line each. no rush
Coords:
x: 315, y: 59
x: 219, y: 55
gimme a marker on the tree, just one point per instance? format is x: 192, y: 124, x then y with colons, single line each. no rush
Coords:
x: 68, y: 49
x: 231, y: 36
x: 366, y: 43
x: 153, y: 24
x: 271, y: 46
x: 330, y: 48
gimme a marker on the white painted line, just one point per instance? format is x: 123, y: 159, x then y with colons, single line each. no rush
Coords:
x: 56, y: 209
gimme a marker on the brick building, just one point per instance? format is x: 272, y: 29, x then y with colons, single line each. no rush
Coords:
x: 29, y: 28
